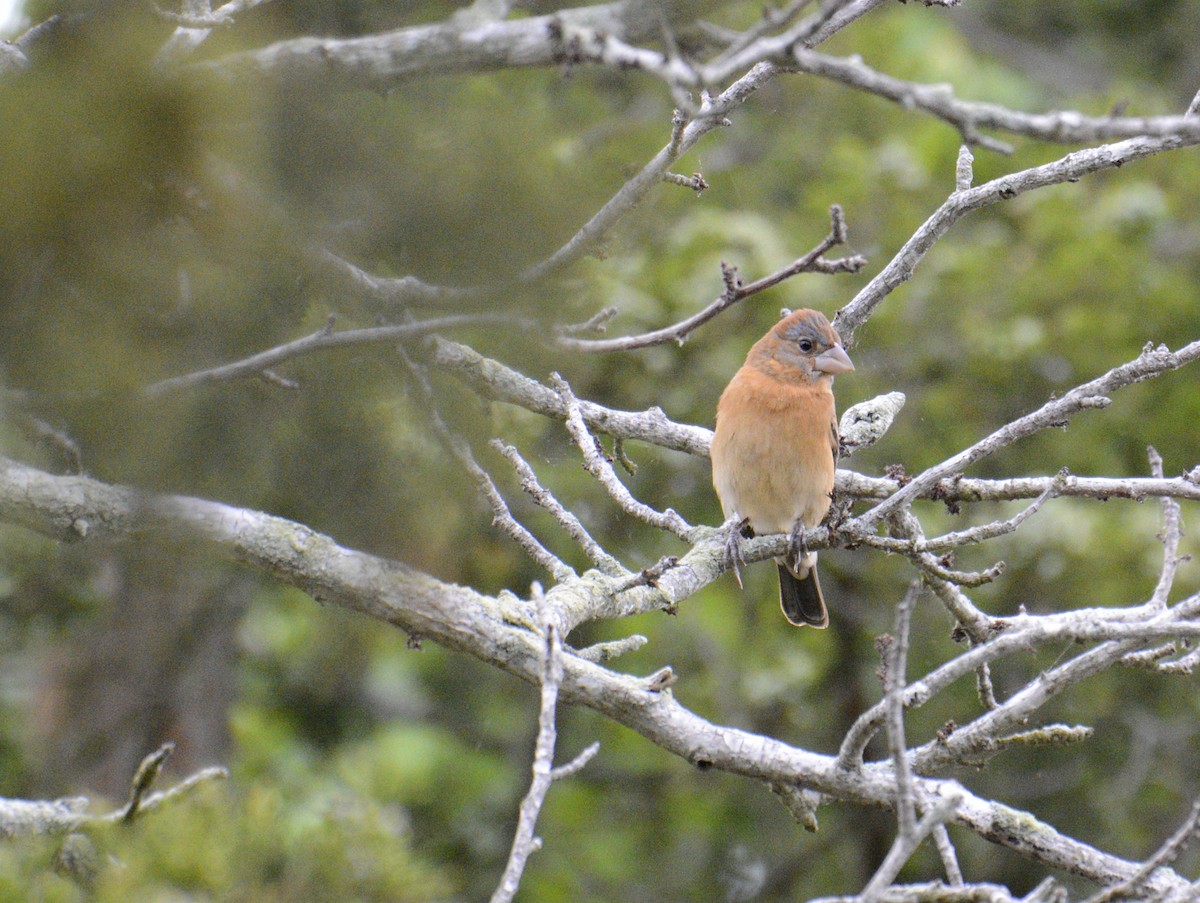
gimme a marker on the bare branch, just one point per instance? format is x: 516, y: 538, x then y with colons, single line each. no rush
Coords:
x: 493, y: 380
x: 501, y: 515
x: 603, y: 471
x: 933, y: 892
x: 1194, y: 107
x: 381, y: 62
x: 1070, y: 168
x: 1065, y: 126
x: 895, y: 657
x: 906, y: 844
x: 544, y: 773
x: 577, y: 764
x: 957, y: 489
x: 945, y: 582
x: 1185, y: 664
x: 735, y: 291
x: 1166, y: 854
x: 694, y: 182
x: 1150, y: 363
x: 566, y: 519
x: 832, y: 17
x: 187, y: 786
x: 605, y: 652
x: 493, y: 630
x: 62, y: 816
x: 321, y: 340
x: 1172, y: 533
x: 1019, y: 634
x: 985, y: 532
x: 771, y: 20
x: 914, y: 546
x: 710, y: 116
x: 941, y: 837
x: 979, y: 739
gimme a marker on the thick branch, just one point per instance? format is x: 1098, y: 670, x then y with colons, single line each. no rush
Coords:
x: 497, y: 382
x: 1064, y: 126
x: 381, y: 62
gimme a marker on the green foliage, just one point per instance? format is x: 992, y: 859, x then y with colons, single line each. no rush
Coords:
x: 275, y: 841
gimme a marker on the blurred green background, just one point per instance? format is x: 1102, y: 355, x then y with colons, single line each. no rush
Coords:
x: 154, y: 224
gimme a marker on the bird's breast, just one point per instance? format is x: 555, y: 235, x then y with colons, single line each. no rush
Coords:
x: 772, y: 457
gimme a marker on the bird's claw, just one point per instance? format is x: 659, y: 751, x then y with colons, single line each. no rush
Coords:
x: 734, y: 557
x: 798, y: 545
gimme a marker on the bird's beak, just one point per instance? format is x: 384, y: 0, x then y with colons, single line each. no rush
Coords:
x: 835, y: 360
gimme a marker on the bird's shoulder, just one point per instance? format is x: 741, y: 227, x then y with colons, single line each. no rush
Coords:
x: 772, y: 389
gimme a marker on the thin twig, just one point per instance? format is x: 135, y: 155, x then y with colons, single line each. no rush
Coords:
x: 525, y: 841
x: 162, y: 797
x: 1150, y: 363
x: 1165, y: 855
x: 61, y: 816
x: 323, y: 339
x: 772, y: 19
x: 906, y: 844
x: 735, y: 291
x: 1172, y: 533
x: 604, y: 652
x: 632, y: 192
x: 1062, y: 126
x: 943, y: 582
x: 914, y: 547
x: 502, y: 516
x: 1070, y: 168
x: 143, y: 778
x: 941, y: 837
x: 895, y: 659
x: 695, y: 182
x: 1020, y: 634
x: 567, y: 520
x: 603, y: 471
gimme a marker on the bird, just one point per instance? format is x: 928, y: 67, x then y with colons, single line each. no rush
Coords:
x: 775, y: 448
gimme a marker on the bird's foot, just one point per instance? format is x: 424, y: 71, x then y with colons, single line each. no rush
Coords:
x: 736, y: 529
x: 797, y: 546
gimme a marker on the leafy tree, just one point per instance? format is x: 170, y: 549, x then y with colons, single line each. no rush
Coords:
x: 283, y: 290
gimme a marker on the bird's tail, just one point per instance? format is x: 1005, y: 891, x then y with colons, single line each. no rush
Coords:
x: 801, y: 599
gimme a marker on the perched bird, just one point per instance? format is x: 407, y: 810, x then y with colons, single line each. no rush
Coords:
x: 774, y: 453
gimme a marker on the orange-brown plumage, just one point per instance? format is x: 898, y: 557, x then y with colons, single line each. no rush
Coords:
x: 774, y: 452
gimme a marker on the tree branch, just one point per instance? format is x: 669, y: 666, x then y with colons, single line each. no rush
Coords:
x: 735, y: 291
x: 544, y: 772
x: 1150, y: 363
x: 1070, y: 168
x: 499, y: 631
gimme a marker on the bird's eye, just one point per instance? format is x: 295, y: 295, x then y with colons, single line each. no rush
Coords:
x: 806, y: 345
